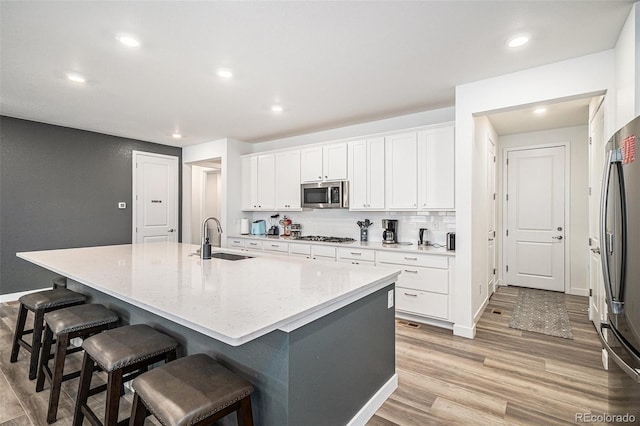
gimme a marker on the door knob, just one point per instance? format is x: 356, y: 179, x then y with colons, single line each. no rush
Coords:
x: 559, y: 237
x: 596, y: 250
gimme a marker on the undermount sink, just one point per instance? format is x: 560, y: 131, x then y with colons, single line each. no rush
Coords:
x: 230, y: 256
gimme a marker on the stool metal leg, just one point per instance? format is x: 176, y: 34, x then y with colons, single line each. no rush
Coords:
x: 19, y: 332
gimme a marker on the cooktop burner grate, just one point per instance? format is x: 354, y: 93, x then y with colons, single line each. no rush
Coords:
x: 324, y: 239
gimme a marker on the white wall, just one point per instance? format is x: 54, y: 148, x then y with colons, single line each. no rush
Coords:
x: 578, y: 229
x: 587, y: 75
x: 229, y: 151
x: 419, y: 119
x: 628, y: 70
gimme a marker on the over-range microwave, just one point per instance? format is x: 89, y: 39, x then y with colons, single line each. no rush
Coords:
x: 325, y: 195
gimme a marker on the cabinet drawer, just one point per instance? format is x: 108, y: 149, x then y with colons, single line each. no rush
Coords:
x: 356, y: 254
x: 324, y: 251
x: 425, y: 279
x: 275, y: 246
x: 422, y: 303
x: 304, y: 249
x: 253, y: 245
x: 236, y: 242
x: 417, y: 259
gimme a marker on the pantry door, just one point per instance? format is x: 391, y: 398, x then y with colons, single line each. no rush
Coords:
x: 535, y: 218
x: 155, y: 197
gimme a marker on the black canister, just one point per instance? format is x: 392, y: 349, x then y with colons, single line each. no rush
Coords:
x: 451, y: 241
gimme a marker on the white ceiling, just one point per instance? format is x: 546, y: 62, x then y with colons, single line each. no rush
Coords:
x: 329, y: 64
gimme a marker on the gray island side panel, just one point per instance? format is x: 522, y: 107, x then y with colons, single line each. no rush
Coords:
x: 338, y: 363
x: 321, y: 373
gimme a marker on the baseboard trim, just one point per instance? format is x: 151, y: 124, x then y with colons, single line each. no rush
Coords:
x: 424, y: 320
x: 369, y: 409
x: 12, y: 297
x: 480, y: 311
x: 468, y: 332
x: 579, y: 292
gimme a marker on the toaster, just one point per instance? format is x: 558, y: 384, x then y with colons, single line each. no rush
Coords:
x: 258, y: 227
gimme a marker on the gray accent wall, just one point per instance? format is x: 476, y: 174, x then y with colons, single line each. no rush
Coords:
x: 60, y: 188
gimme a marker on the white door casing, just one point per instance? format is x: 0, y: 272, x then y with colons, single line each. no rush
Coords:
x: 535, y: 220
x: 491, y: 216
x: 597, y: 301
x: 155, y: 197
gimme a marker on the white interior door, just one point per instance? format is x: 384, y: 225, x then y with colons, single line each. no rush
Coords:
x: 597, y: 305
x: 155, y: 197
x: 535, y: 219
x: 491, y: 216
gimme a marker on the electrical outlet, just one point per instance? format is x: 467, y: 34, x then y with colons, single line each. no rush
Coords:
x: 122, y: 205
x: 390, y: 299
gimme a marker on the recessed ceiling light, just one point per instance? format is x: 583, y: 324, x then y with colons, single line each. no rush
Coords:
x: 518, y: 41
x: 176, y: 135
x: 128, y: 40
x: 76, y: 78
x: 225, y: 73
x: 540, y: 110
x: 277, y: 108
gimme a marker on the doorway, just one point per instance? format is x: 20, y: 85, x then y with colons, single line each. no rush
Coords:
x: 206, y: 192
x: 155, y: 198
x: 536, y: 217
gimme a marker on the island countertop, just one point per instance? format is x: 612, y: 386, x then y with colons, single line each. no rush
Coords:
x: 231, y: 301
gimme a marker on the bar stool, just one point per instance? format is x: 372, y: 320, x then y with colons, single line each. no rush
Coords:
x: 65, y: 324
x: 194, y: 390
x: 123, y: 353
x: 39, y: 303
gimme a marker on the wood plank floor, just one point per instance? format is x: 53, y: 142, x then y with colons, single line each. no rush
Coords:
x: 503, y: 376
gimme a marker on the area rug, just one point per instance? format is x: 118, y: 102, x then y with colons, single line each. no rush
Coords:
x: 542, y: 312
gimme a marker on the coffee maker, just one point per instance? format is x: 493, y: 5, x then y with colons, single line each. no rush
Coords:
x: 390, y: 231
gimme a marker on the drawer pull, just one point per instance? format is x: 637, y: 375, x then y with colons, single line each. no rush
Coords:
x: 411, y: 272
x: 254, y: 244
x: 275, y: 245
x: 355, y: 253
x: 410, y: 294
x: 410, y: 258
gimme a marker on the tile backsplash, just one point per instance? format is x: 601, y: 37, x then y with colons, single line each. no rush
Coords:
x: 342, y: 223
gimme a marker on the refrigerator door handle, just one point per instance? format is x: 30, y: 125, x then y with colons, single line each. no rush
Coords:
x: 630, y: 371
x: 615, y: 306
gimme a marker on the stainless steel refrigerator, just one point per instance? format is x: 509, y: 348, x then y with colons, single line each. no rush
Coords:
x: 620, y: 238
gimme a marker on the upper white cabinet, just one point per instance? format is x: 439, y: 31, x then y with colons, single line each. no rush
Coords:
x: 366, y: 174
x: 324, y: 163
x: 258, y: 186
x: 436, y: 169
x: 287, y: 180
x: 402, y: 171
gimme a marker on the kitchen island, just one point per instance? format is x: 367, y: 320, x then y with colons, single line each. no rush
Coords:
x: 317, y: 341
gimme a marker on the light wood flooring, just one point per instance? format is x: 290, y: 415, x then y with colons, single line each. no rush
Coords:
x: 503, y: 376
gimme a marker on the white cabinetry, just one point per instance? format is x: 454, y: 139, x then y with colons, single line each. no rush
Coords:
x: 287, y: 180
x: 356, y: 256
x: 401, y: 171
x: 423, y: 287
x: 324, y: 163
x: 436, y: 169
x: 366, y: 174
x: 258, y: 182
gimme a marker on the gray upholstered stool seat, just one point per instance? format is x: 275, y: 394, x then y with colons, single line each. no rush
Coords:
x: 124, y: 353
x: 39, y: 303
x: 192, y: 390
x: 65, y: 324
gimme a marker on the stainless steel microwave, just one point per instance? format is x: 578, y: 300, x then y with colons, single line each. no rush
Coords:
x: 325, y: 195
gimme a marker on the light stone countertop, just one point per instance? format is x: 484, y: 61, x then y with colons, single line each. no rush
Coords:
x: 371, y: 245
x: 231, y: 301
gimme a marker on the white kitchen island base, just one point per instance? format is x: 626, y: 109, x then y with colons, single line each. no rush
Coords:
x: 334, y: 369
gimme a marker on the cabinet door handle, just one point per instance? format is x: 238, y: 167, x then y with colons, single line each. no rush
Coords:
x: 411, y: 272
x: 319, y: 177
x: 325, y: 177
x: 410, y: 258
x: 355, y: 263
x: 410, y: 294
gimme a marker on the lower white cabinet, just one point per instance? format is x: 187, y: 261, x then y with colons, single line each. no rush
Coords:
x: 423, y: 287
x: 276, y: 247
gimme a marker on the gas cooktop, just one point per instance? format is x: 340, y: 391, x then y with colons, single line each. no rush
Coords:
x: 326, y: 239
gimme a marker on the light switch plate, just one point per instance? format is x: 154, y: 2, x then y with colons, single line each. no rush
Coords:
x: 122, y: 205
x: 390, y: 299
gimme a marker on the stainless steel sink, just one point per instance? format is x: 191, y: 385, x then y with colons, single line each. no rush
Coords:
x: 229, y: 256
